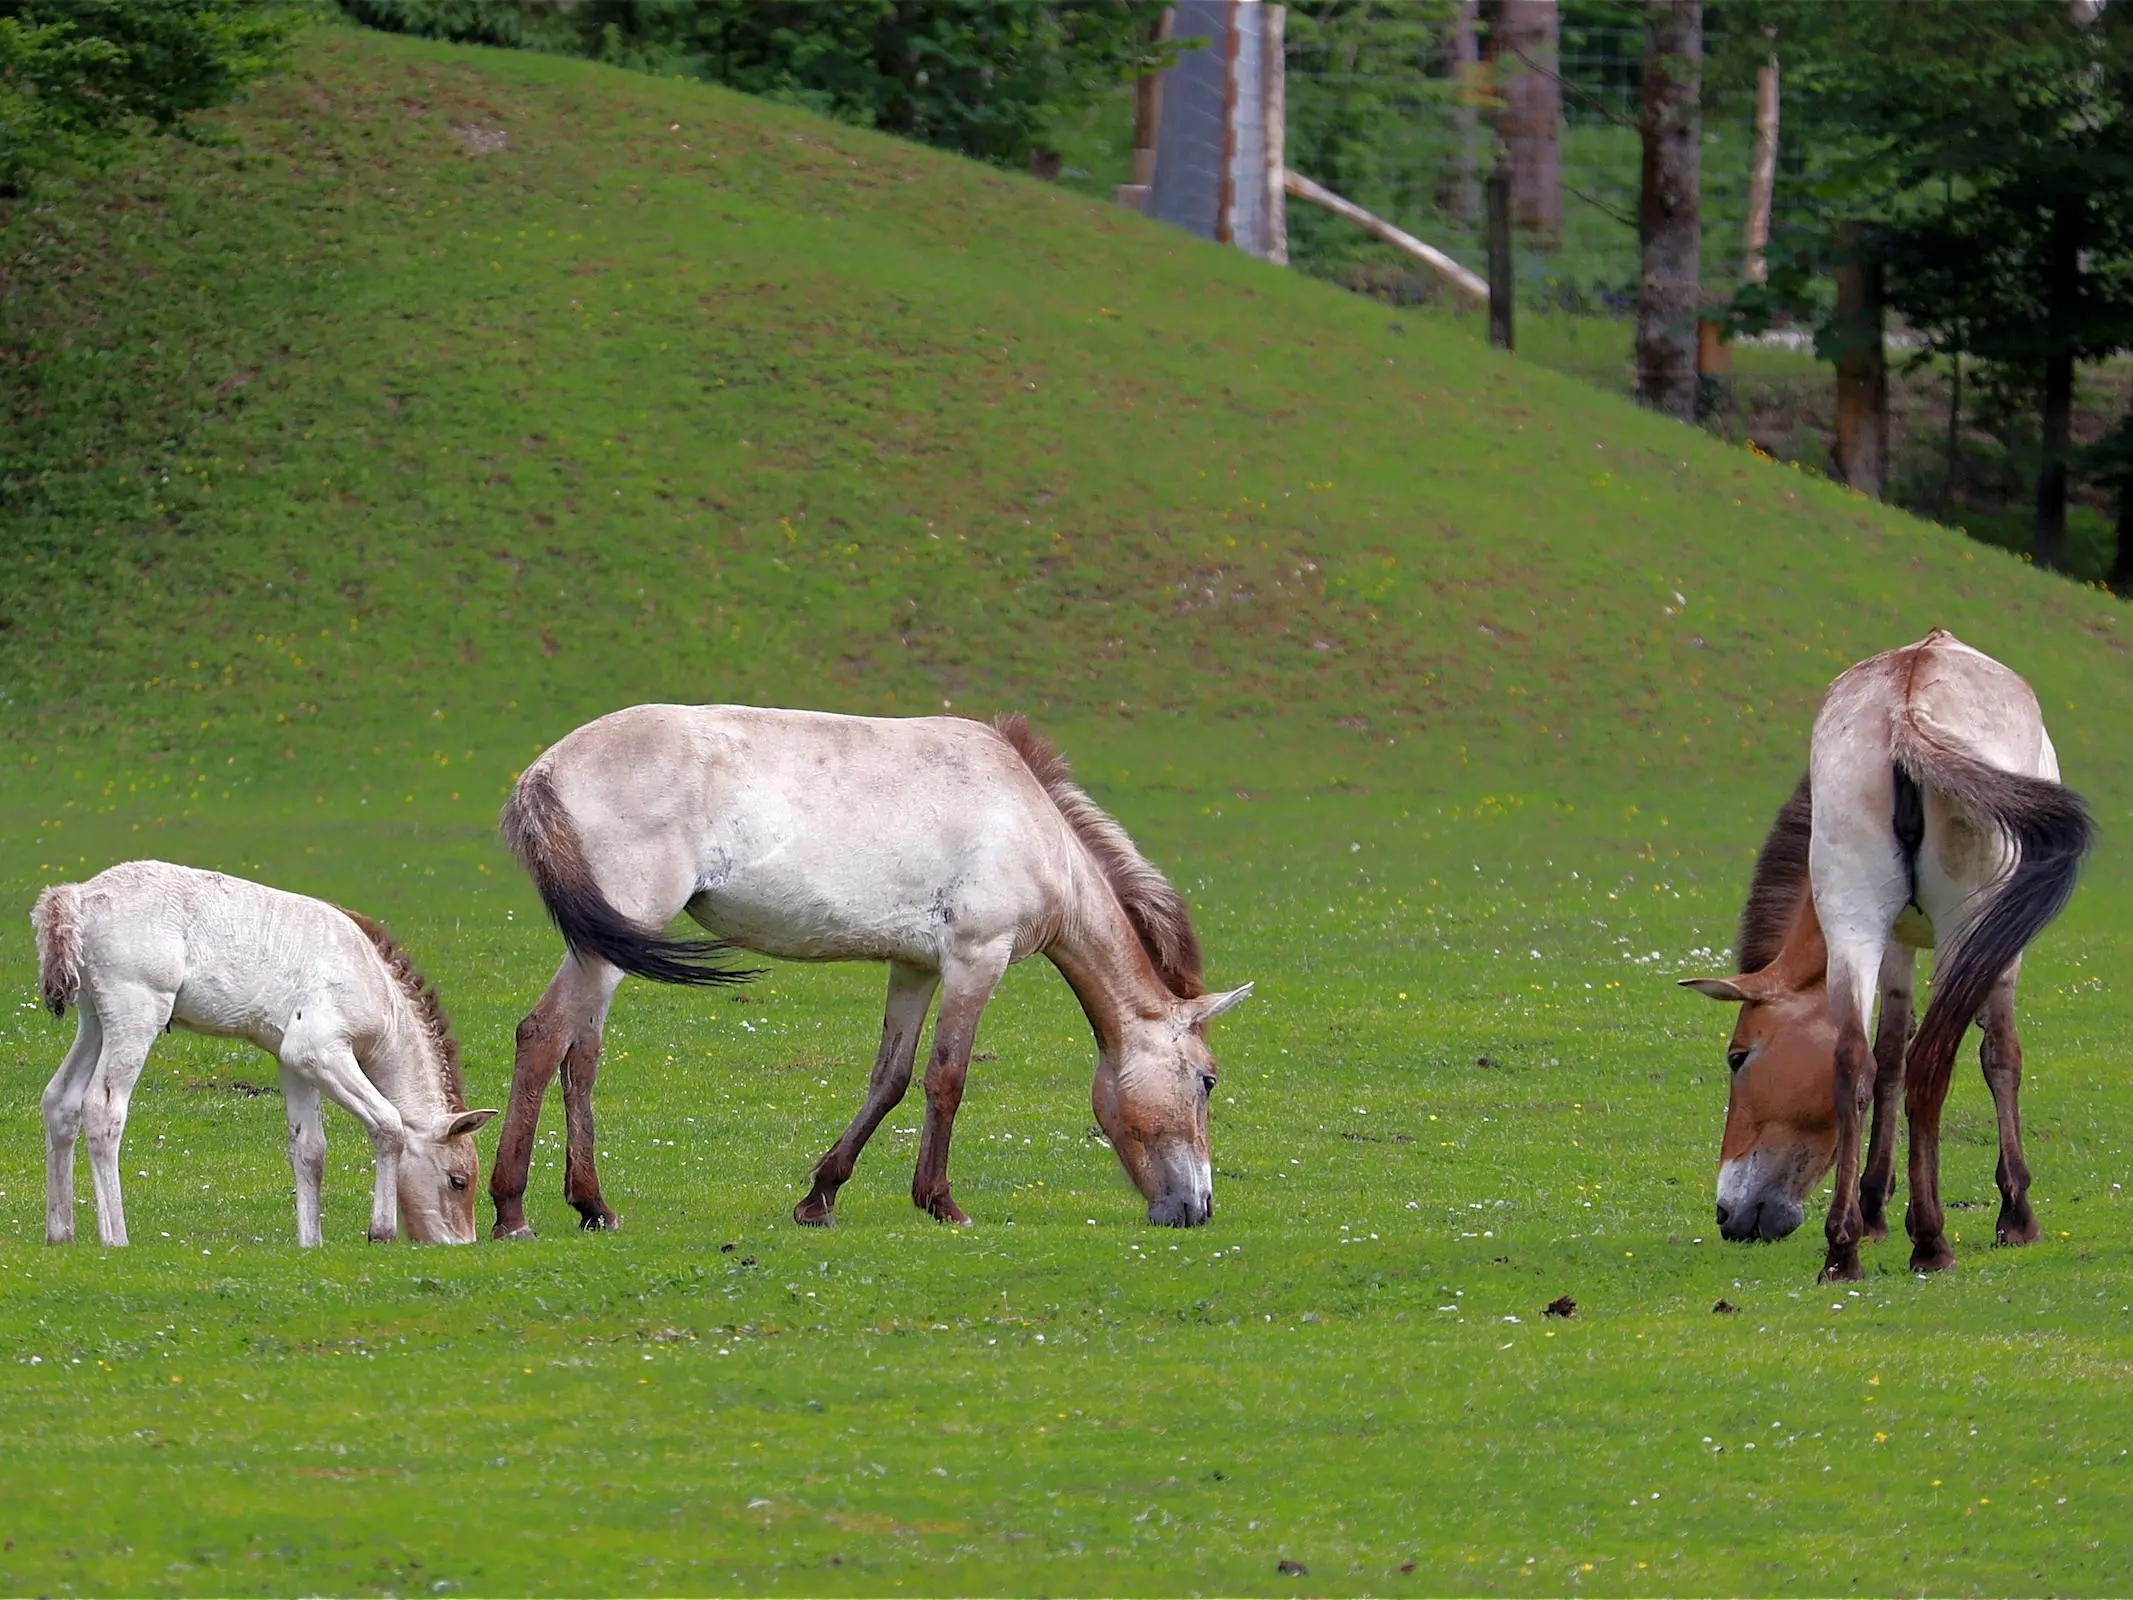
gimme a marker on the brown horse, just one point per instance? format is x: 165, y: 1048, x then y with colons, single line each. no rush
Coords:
x: 946, y: 848
x: 1931, y: 813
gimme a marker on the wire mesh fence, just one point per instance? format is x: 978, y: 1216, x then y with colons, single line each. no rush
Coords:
x: 1402, y: 106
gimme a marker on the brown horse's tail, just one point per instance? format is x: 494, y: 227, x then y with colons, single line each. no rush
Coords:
x: 540, y: 833
x: 57, y: 919
x: 2047, y: 828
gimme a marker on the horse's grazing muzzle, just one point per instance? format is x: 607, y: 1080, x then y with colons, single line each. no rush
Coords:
x: 1181, y: 1211
x: 1766, y: 1219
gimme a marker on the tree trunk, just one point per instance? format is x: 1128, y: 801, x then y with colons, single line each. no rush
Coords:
x: 2122, y: 562
x: 1862, y: 366
x: 1762, y: 171
x: 2062, y: 289
x: 1459, y: 194
x: 1669, y: 208
x: 1529, y: 54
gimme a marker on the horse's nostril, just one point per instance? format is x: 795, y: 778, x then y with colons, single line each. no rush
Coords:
x: 1724, y: 1213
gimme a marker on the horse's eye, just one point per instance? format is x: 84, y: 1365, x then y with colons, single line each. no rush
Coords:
x: 1207, y: 1083
x: 458, y: 1182
x: 1736, y: 1059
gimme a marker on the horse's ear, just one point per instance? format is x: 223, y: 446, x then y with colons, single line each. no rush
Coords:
x: 1195, y: 1013
x: 468, y: 1122
x: 1749, y: 987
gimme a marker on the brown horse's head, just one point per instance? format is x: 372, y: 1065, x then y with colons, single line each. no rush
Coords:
x: 1781, y: 1116
x: 1150, y: 1098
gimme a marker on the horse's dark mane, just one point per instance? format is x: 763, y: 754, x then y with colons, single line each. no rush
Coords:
x: 1151, y: 903
x: 1779, y: 881
x: 428, y: 1009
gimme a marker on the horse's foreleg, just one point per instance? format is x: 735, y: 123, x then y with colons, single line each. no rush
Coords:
x: 2001, y: 1056
x: 63, y: 1098
x: 966, y: 989
x: 307, y: 1153
x: 322, y: 1064
x: 1892, y: 1036
x: 910, y: 993
x: 1850, y: 990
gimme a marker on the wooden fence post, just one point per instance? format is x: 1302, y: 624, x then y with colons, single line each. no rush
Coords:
x: 1862, y: 449
x: 1500, y: 291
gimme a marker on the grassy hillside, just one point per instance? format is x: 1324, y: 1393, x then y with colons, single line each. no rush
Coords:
x: 448, y: 398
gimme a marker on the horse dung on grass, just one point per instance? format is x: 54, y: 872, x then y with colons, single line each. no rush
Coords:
x: 945, y: 847
x: 146, y: 946
x: 1932, y: 813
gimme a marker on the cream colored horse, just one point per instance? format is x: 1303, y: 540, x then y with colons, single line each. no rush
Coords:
x: 147, y: 946
x: 944, y: 847
x: 1932, y: 814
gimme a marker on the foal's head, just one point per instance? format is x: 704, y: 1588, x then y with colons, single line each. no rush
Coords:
x: 1150, y: 1097
x: 1781, y: 1117
x: 439, y: 1178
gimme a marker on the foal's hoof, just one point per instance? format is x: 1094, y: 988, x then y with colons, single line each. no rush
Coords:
x: 815, y: 1212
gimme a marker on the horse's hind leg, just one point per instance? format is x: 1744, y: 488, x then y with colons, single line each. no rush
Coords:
x: 129, y: 1029
x: 1852, y: 966
x: 1892, y: 1036
x: 2000, y: 1054
x: 307, y: 1152
x: 581, y: 1069
x: 910, y: 993
x: 63, y: 1098
x: 577, y: 996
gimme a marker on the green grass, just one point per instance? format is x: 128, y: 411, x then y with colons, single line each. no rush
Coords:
x: 347, y: 465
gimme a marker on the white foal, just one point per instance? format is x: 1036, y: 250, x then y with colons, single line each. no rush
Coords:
x: 147, y: 946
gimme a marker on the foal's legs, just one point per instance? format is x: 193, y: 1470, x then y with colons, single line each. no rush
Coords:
x: 2001, y: 1056
x: 326, y: 1064
x: 910, y: 993
x: 63, y: 1098
x: 1892, y: 1035
x: 966, y: 988
x: 129, y: 1022
x: 307, y: 1152
x: 574, y: 1005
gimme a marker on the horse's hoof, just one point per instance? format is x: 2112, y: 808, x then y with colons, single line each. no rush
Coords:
x: 948, y: 1211
x: 813, y: 1213
x: 1840, y: 1271
x: 1932, y: 1256
x: 516, y: 1230
x: 1876, y: 1231
x: 600, y: 1221
x: 2018, y: 1231
x: 381, y: 1238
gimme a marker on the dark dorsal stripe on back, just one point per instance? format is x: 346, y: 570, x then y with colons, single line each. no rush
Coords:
x: 428, y: 1009
x: 1779, y: 881
x: 1152, y: 905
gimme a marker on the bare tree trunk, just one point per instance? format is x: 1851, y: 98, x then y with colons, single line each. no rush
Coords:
x: 1669, y: 208
x: 1762, y: 170
x: 1862, y: 367
x: 2062, y: 286
x: 2122, y: 561
x: 1955, y: 435
x: 1459, y: 194
x: 1529, y: 52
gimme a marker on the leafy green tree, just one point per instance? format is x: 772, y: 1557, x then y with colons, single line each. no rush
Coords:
x: 983, y: 77
x: 77, y: 77
x: 1991, y: 141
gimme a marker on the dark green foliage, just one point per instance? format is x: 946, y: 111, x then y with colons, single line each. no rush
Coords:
x: 76, y: 76
x: 983, y: 77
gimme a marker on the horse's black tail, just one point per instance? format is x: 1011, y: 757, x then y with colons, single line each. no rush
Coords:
x: 2047, y: 828
x: 540, y: 833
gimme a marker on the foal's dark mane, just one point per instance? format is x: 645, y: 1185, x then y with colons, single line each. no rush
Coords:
x: 1154, y: 907
x: 428, y: 1009
x: 1779, y: 881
